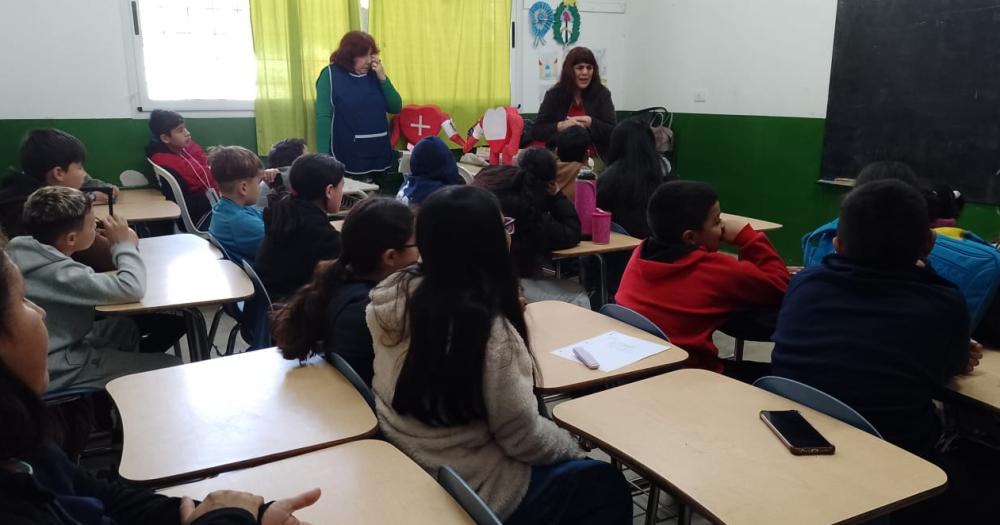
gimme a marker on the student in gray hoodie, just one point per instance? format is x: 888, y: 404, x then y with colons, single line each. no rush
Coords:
x: 82, y: 352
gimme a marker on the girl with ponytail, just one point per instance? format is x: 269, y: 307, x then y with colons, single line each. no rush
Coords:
x: 328, y: 314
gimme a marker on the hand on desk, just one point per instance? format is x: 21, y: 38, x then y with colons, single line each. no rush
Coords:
x: 278, y: 513
x: 975, y: 355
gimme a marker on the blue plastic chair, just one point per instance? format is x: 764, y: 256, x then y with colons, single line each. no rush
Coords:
x: 817, y: 400
x: 473, y: 505
x: 348, y: 371
x: 633, y: 318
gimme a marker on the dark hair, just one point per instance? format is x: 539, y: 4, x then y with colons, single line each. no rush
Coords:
x: 522, y: 191
x: 943, y: 202
x: 309, y: 177
x: 25, y: 423
x: 43, y: 150
x: 162, y: 121
x: 52, y: 211
x: 572, y: 144
x: 887, y: 169
x: 884, y: 224
x: 450, y: 314
x: 352, y: 45
x: 633, y: 155
x: 373, y: 226
x: 567, y: 78
x: 284, y: 152
x: 678, y: 206
x: 232, y: 164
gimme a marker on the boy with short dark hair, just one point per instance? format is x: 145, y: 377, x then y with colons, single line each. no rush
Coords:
x: 59, y: 222
x: 572, y: 144
x: 51, y: 157
x: 236, y: 223
x: 280, y: 157
x: 872, y: 327
x: 679, y: 281
x: 172, y: 148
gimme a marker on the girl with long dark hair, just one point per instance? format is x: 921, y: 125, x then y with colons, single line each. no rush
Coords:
x: 454, y: 376
x: 328, y: 314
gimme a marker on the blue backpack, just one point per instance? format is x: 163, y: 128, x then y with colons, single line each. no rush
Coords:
x: 972, y: 266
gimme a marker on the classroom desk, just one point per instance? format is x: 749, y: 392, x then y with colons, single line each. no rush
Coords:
x: 554, y: 324
x: 698, y: 435
x: 167, y: 250
x: 983, y: 384
x: 619, y: 242
x: 184, y: 286
x: 140, y: 206
x: 758, y: 224
x: 363, y: 482
x: 209, y: 417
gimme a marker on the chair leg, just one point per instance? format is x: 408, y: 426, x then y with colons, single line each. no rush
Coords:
x: 738, y: 352
x: 652, y: 503
x: 683, y: 513
x: 231, y: 344
x: 216, y: 319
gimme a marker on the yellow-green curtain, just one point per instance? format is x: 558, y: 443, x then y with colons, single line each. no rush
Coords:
x: 453, y: 53
x: 292, y: 40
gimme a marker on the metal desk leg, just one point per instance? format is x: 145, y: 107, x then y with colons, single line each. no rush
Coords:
x: 198, y: 348
x: 652, y: 503
x: 683, y: 513
x: 604, y: 279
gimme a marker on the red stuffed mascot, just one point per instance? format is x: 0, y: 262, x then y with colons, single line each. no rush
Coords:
x: 502, y: 128
x: 417, y: 122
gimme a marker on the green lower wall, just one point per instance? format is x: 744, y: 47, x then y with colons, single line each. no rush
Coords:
x: 764, y: 167
x: 115, y: 145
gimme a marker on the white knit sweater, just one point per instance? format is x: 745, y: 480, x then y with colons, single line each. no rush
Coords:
x: 494, y: 455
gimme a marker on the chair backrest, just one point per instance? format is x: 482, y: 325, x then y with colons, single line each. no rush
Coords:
x: 175, y: 188
x: 633, y: 318
x: 817, y: 400
x: 348, y: 371
x: 256, y: 311
x: 213, y: 196
x: 133, y: 179
x: 477, y: 509
x: 218, y: 245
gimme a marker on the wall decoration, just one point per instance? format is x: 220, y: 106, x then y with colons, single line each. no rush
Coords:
x: 541, y: 17
x: 548, y: 66
x: 566, y: 26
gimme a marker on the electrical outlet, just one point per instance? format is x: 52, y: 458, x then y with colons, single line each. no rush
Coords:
x: 699, y: 96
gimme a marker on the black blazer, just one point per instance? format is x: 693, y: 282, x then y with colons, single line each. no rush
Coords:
x: 598, y: 106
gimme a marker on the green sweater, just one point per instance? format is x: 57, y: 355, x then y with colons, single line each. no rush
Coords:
x: 325, y: 109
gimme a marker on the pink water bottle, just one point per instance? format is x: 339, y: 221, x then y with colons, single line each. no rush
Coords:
x: 601, y: 227
x: 586, y: 199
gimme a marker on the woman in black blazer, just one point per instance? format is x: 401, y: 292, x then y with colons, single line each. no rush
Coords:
x: 578, y: 99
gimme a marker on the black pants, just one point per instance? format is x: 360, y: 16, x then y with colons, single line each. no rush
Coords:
x: 159, y: 332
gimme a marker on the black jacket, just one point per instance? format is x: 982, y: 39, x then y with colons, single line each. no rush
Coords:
x: 881, y: 341
x: 346, y: 331
x: 288, y: 257
x: 598, y: 106
x: 617, y: 193
x: 60, y: 493
x: 561, y: 223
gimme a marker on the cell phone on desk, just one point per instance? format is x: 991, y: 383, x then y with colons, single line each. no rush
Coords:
x: 800, y: 437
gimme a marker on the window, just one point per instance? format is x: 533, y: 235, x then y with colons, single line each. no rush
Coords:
x: 194, y: 54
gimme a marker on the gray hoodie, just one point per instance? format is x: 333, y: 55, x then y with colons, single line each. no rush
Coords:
x: 68, y: 291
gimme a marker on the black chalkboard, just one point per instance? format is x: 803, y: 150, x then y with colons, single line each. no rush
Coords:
x: 917, y: 81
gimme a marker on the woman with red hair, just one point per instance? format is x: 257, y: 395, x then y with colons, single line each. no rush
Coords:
x: 578, y: 99
x: 353, y: 95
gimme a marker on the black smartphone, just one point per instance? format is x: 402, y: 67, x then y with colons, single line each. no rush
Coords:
x: 801, y: 438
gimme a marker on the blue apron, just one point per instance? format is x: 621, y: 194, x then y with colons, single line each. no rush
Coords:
x: 359, y: 133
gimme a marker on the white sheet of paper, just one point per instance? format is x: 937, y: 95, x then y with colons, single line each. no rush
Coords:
x: 613, y: 350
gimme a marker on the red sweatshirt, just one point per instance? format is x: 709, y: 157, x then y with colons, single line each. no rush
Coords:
x: 692, y: 297
x: 192, y: 166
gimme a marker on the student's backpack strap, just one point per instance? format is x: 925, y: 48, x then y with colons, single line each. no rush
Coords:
x: 819, y: 243
x: 972, y: 266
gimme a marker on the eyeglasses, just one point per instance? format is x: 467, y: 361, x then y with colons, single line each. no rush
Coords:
x: 508, y: 225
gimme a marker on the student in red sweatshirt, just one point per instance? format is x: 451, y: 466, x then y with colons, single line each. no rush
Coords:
x: 678, y: 280
x: 172, y: 148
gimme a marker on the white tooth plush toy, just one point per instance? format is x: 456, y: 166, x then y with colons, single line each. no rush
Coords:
x: 502, y: 128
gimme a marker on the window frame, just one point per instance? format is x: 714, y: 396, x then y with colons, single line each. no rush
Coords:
x: 137, y: 67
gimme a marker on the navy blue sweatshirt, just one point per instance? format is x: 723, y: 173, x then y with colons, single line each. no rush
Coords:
x: 882, y: 341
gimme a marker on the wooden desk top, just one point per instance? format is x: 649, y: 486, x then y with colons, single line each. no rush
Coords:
x: 187, y: 284
x: 699, y: 434
x: 619, y: 243
x: 983, y: 384
x: 555, y: 324
x: 141, y: 205
x: 758, y: 224
x: 222, y: 414
x: 363, y: 482
x: 173, y: 249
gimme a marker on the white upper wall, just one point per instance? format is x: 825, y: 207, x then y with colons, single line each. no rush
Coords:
x: 747, y: 57
x: 64, y: 59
